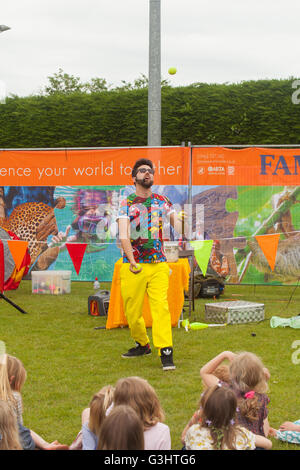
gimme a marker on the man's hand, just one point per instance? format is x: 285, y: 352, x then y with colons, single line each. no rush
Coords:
x: 135, y: 268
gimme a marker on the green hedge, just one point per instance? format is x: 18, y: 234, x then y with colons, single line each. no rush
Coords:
x: 253, y: 112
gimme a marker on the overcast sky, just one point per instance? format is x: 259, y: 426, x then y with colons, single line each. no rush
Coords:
x: 211, y: 41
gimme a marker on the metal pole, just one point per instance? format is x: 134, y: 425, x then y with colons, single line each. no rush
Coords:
x: 154, y: 88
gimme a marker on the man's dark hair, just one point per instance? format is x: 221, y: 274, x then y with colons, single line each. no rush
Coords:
x: 138, y: 163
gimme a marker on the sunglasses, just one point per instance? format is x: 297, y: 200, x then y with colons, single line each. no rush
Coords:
x: 144, y: 170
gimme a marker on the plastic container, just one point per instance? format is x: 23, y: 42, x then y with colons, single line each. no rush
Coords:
x: 171, y: 250
x: 51, y: 282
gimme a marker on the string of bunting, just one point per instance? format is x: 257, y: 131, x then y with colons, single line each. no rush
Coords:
x: 18, y: 249
x: 202, y: 251
x: 268, y: 245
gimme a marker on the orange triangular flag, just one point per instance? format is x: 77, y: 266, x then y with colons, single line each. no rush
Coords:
x: 268, y: 245
x: 18, y: 250
x: 76, y: 252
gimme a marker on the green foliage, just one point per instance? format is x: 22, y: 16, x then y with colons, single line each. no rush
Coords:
x: 71, y: 113
x: 63, y: 83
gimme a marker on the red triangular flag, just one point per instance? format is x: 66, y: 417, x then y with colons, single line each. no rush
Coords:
x: 76, y: 252
x: 268, y: 245
x: 18, y: 250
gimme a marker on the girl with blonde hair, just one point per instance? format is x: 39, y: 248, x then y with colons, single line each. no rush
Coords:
x: 93, y: 417
x: 12, y: 379
x: 249, y: 381
x: 9, y: 434
x: 141, y: 396
x: 16, y: 374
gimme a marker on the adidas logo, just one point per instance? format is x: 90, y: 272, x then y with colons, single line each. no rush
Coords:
x: 167, y: 352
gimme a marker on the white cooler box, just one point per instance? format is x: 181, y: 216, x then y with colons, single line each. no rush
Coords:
x: 239, y: 311
x: 51, y: 282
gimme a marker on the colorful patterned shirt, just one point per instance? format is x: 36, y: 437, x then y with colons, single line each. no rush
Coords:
x: 146, y: 217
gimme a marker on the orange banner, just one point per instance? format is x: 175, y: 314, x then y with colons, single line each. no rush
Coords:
x: 247, y: 167
x: 91, y: 166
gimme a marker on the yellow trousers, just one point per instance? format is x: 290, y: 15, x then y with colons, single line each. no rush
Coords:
x: 153, y: 279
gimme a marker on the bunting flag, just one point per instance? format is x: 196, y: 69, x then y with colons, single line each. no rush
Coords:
x: 10, y: 274
x: 76, y: 252
x: 18, y: 251
x: 202, y: 250
x: 268, y: 245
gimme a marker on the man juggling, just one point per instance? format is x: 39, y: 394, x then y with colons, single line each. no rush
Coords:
x: 145, y: 268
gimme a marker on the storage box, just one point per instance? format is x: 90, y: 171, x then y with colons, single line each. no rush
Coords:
x: 239, y: 311
x: 51, y: 282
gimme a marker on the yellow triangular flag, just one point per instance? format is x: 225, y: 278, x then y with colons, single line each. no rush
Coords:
x: 18, y: 250
x: 202, y: 250
x: 268, y: 245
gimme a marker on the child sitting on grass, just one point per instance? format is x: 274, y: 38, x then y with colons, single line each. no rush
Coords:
x: 94, y: 416
x: 218, y: 429
x: 141, y: 396
x: 12, y: 379
x: 122, y: 429
x: 248, y: 380
x: 222, y: 373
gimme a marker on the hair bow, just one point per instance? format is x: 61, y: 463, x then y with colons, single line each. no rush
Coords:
x: 250, y: 394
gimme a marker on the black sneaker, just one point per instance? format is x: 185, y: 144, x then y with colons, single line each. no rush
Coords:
x: 166, y: 356
x: 138, y: 351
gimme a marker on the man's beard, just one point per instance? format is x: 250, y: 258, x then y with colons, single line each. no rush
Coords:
x: 144, y: 183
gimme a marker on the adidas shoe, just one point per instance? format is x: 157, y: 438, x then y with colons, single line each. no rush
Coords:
x: 166, y: 356
x: 138, y: 351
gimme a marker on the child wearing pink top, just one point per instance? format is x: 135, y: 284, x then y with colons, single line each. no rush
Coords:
x: 141, y: 396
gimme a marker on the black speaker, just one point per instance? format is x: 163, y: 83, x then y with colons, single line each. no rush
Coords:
x: 98, y: 303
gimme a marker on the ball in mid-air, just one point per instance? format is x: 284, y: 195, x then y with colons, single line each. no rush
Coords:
x: 172, y: 70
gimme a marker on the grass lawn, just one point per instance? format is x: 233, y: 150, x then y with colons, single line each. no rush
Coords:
x: 68, y: 360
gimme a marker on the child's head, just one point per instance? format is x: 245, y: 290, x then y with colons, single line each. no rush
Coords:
x: 141, y: 396
x: 122, y: 429
x: 99, y: 404
x: 218, y: 415
x: 9, y: 435
x: 16, y: 373
x: 247, y: 373
x: 218, y: 406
